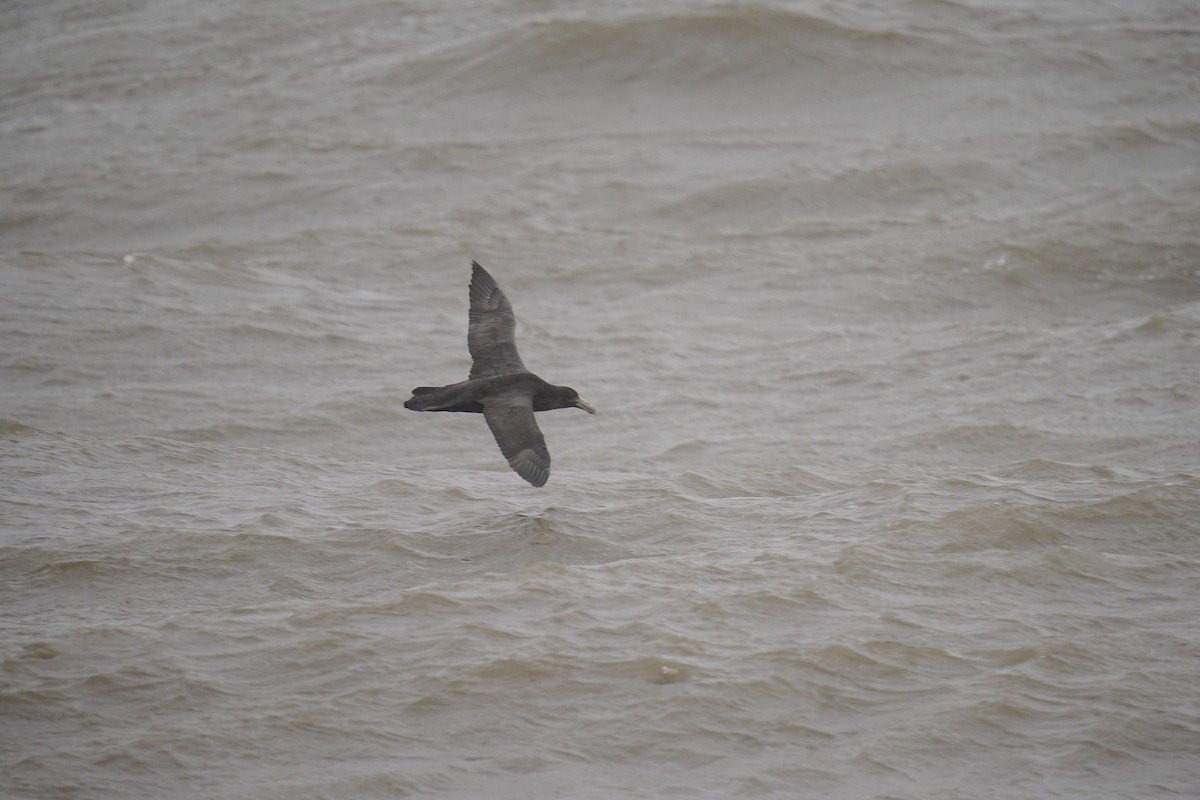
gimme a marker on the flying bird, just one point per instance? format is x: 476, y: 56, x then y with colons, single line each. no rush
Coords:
x: 499, y: 386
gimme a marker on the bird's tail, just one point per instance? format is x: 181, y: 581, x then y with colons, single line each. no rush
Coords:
x: 422, y: 398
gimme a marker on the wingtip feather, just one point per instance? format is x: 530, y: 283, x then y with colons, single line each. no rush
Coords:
x: 529, y: 465
x: 485, y: 293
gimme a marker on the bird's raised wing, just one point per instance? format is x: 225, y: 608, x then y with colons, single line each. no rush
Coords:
x: 491, y: 329
x: 520, y: 440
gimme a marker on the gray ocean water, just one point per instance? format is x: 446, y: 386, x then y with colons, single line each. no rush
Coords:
x: 891, y: 312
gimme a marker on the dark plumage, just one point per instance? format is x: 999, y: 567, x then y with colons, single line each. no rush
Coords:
x: 499, y: 386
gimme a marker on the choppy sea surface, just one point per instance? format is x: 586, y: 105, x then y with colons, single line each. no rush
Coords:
x: 891, y: 312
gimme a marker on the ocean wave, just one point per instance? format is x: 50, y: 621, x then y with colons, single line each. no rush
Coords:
x: 830, y: 202
x: 730, y: 46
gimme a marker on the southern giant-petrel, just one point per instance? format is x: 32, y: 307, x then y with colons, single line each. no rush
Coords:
x: 499, y: 386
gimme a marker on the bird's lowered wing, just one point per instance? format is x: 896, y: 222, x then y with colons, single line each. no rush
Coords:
x: 519, y: 438
x: 491, y: 329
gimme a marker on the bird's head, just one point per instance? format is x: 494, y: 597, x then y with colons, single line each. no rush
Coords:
x: 571, y: 399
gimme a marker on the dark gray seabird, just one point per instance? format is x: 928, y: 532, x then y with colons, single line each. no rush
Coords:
x: 499, y: 386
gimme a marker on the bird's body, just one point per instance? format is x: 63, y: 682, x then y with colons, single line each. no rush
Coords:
x: 499, y: 385
x: 472, y: 395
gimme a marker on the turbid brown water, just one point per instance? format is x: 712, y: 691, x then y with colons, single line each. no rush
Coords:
x: 891, y: 311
